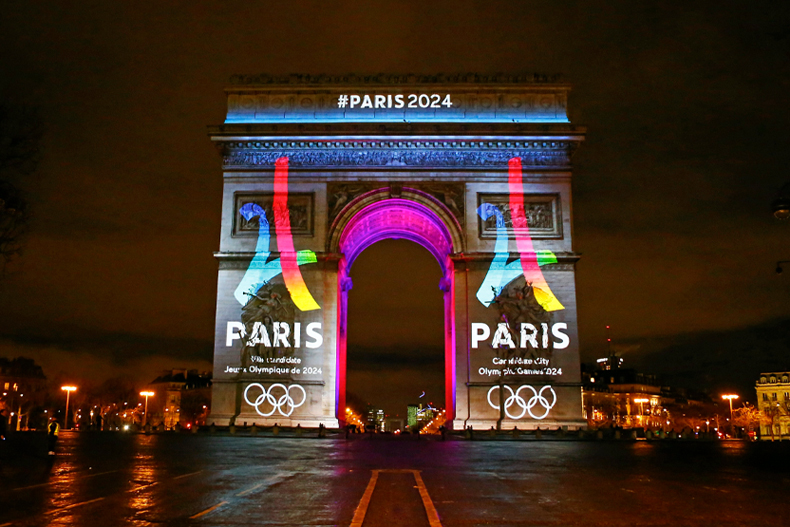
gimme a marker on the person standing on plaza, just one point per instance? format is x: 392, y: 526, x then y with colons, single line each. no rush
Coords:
x: 52, y: 435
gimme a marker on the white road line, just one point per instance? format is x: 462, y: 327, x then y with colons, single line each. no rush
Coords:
x: 362, y: 508
x: 74, y: 505
x: 187, y: 475
x: 217, y: 506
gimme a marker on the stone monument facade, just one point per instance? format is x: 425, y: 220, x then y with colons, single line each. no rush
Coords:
x: 475, y: 169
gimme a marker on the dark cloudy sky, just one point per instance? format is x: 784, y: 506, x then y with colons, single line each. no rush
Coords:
x: 685, y: 102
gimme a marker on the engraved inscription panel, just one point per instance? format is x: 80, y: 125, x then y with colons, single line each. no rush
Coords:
x: 543, y: 213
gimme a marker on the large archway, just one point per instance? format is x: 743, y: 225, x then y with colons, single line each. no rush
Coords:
x: 412, y: 216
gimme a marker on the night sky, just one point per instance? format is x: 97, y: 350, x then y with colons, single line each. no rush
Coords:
x: 687, y: 113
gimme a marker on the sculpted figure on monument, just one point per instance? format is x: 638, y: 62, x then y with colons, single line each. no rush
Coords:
x: 269, y: 306
x: 341, y: 194
x: 516, y: 306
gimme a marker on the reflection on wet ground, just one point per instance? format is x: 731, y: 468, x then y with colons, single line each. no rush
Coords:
x: 104, y: 478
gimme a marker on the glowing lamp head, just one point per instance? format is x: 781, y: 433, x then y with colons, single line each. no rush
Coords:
x: 781, y: 208
x: 641, y: 400
x: 730, y: 397
x: 69, y: 388
x: 147, y: 394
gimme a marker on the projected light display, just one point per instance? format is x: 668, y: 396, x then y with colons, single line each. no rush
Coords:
x: 522, y: 342
x: 262, y: 270
x: 316, y: 169
x: 272, y: 336
x: 539, y: 397
x: 500, y: 273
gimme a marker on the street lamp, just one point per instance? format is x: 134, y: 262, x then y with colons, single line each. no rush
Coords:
x: 641, y: 408
x: 730, y: 397
x: 145, y: 412
x: 68, y: 390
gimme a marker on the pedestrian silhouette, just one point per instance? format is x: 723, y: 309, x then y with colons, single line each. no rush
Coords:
x: 52, y: 435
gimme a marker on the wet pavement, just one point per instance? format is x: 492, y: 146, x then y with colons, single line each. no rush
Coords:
x: 108, y: 479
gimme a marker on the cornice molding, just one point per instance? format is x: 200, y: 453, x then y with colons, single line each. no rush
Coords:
x: 395, y: 154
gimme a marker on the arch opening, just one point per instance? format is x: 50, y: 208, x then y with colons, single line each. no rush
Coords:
x: 395, y: 330
x: 396, y: 218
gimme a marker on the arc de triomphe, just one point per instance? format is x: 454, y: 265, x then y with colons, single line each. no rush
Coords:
x: 475, y: 169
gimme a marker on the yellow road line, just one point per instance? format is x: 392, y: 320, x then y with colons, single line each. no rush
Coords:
x: 362, y: 508
x: 242, y: 493
x: 143, y: 486
x: 187, y: 475
x: 430, y: 510
x: 74, y: 505
x: 217, y: 506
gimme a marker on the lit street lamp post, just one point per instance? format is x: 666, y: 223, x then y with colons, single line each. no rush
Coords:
x: 641, y: 408
x: 68, y: 390
x: 730, y: 397
x: 145, y: 412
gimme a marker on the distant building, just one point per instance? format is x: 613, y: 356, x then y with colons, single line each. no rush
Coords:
x: 181, y: 397
x: 773, y: 400
x: 23, y: 386
x: 411, y: 416
x: 375, y: 419
x: 623, y: 397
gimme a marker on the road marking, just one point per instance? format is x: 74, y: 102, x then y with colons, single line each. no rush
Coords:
x: 140, y: 487
x: 242, y: 493
x: 217, y: 506
x: 430, y: 510
x: 52, y: 482
x: 187, y: 475
x: 74, y: 505
x: 362, y: 508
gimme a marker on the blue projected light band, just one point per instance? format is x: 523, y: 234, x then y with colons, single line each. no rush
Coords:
x: 501, y: 273
x: 260, y: 270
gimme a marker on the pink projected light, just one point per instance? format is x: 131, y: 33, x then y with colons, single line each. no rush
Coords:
x: 529, y: 260
x: 394, y: 219
x: 282, y: 224
x: 397, y: 218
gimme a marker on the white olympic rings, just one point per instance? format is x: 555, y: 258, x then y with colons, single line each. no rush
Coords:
x: 526, y: 406
x: 276, y: 403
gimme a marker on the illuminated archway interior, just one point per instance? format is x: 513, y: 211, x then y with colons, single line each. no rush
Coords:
x: 396, y: 218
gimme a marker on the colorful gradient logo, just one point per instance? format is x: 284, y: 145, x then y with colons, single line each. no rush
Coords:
x: 501, y: 273
x: 261, y: 270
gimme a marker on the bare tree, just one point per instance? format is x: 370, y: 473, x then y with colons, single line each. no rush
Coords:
x: 20, y: 152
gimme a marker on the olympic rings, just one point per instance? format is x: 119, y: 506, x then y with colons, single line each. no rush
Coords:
x: 276, y: 403
x: 526, y: 406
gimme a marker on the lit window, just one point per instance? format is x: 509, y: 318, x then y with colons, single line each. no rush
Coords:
x: 773, y: 380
